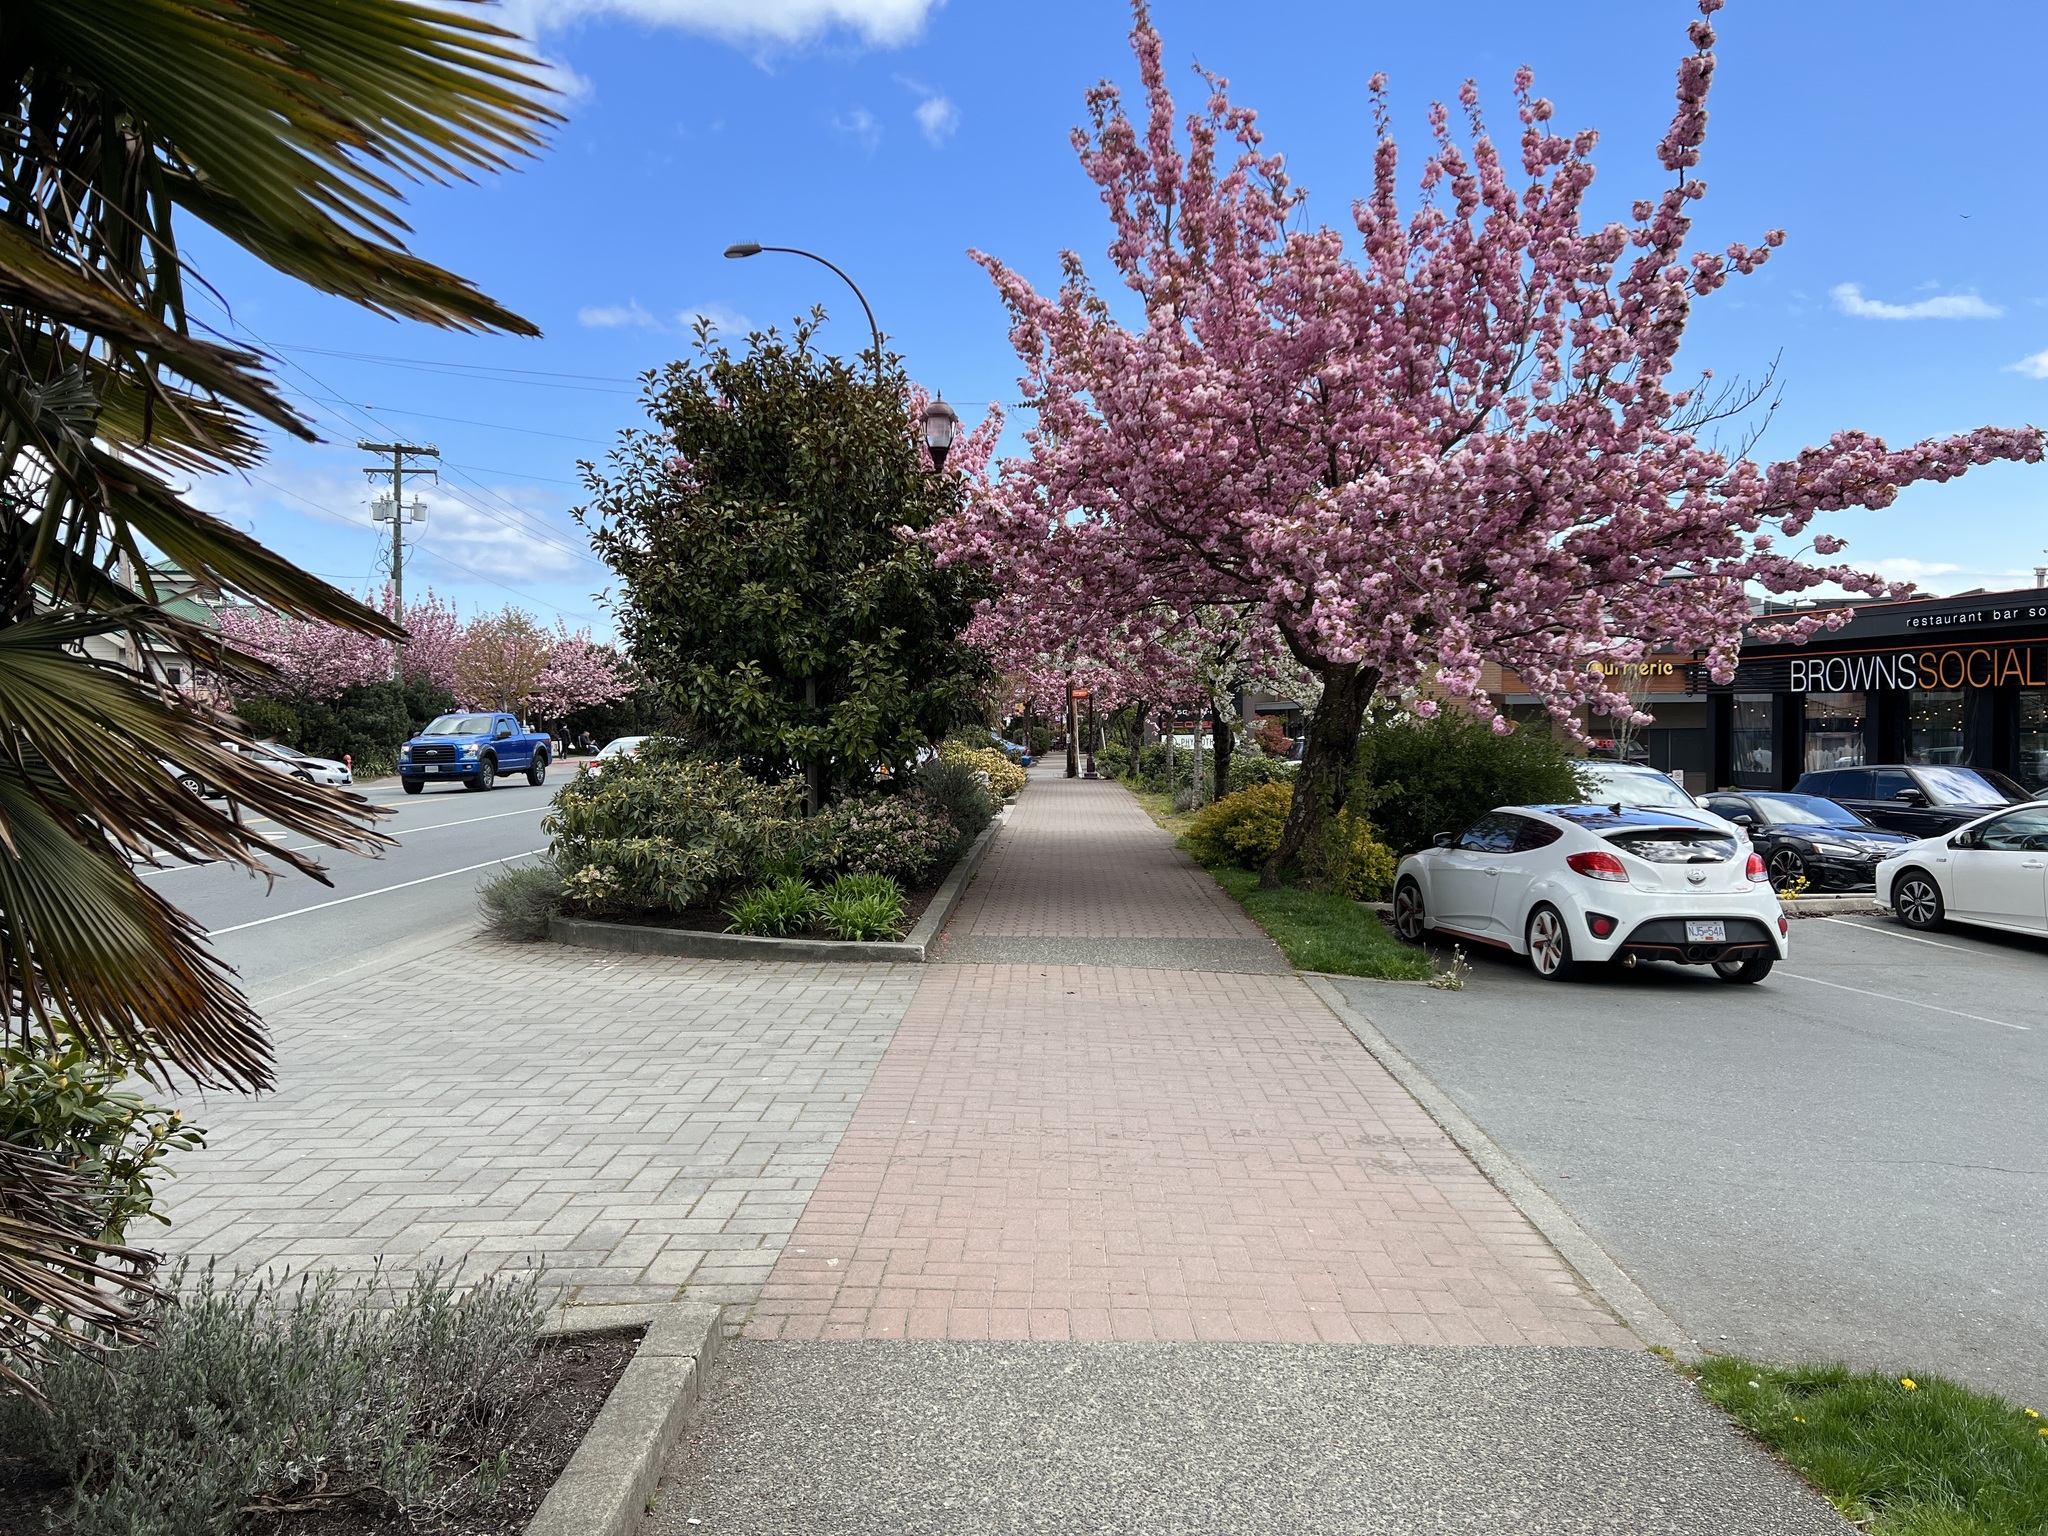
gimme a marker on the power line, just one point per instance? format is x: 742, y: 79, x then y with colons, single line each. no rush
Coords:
x: 425, y: 362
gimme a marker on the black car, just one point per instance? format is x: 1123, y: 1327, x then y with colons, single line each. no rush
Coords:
x: 1923, y: 800
x: 1806, y: 837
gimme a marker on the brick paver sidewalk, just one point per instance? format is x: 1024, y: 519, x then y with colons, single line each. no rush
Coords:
x: 633, y: 1125
x: 1145, y: 1150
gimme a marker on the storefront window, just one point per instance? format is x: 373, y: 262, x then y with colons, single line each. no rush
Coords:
x: 1934, y: 728
x: 1834, y: 731
x: 1750, y: 736
x: 2030, y: 764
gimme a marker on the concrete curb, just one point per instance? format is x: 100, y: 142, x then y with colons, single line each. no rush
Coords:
x: 910, y: 950
x: 605, y: 1488
x: 1605, y: 1278
x: 1827, y: 906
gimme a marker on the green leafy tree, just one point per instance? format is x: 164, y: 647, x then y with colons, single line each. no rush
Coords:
x: 289, y: 129
x: 773, y: 592
x: 1422, y: 777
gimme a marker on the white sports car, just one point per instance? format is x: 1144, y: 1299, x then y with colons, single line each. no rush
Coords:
x: 1569, y: 885
x: 1993, y: 872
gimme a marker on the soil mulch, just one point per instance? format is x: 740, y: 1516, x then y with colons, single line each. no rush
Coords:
x: 545, y: 1430
x: 714, y: 920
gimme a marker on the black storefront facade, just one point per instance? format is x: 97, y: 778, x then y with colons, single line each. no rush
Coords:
x: 1958, y: 680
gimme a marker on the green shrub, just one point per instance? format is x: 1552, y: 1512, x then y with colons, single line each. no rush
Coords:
x: 253, y: 1397
x: 1114, y: 761
x: 784, y: 906
x: 366, y: 722
x: 864, y: 906
x: 1243, y: 828
x: 905, y: 837
x: 517, y: 903
x: 662, y: 831
x: 1415, y: 778
x: 73, y: 1104
x: 1251, y: 769
x: 1350, y: 860
x: 959, y: 788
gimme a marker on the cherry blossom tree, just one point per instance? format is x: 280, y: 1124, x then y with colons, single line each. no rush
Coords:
x: 1461, y: 442
x: 309, y: 659
x: 578, y: 674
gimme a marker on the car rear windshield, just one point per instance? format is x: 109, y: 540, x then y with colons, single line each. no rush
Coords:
x: 459, y: 725
x: 1676, y: 845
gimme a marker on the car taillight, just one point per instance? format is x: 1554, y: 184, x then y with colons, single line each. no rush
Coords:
x: 1598, y: 866
x: 1757, y: 872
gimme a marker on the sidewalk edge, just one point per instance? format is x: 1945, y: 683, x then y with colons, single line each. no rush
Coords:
x: 1588, y: 1260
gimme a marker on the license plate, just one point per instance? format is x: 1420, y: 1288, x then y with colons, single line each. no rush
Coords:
x: 1715, y: 932
x: 443, y: 768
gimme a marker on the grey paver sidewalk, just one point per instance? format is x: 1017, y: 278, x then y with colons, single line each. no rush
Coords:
x: 1153, y: 1245
x: 633, y: 1124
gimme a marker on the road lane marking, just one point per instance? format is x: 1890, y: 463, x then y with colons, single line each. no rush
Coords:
x: 382, y: 890
x: 172, y: 869
x: 1909, y: 1002
x: 1886, y: 933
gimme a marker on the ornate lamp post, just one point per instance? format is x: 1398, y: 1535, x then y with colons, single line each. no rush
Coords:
x: 941, y: 424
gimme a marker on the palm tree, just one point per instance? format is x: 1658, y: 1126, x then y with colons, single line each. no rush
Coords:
x: 291, y: 127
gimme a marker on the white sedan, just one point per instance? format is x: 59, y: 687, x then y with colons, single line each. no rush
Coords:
x: 1993, y: 872
x: 1569, y: 885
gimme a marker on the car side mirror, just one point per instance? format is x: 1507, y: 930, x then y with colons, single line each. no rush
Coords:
x: 1443, y: 839
x: 1965, y: 840
x: 1742, y: 818
x: 1910, y: 797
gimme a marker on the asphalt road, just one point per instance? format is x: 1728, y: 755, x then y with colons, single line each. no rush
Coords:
x: 1846, y: 1161
x: 277, y: 933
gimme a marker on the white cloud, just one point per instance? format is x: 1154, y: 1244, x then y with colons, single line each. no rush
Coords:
x: 859, y: 124
x: 516, y: 542
x: 878, y: 23
x: 2035, y: 367
x: 729, y: 322
x: 609, y: 316
x: 938, y: 117
x: 1849, y: 299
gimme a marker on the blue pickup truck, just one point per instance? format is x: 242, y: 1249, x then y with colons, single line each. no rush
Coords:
x: 475, y: 749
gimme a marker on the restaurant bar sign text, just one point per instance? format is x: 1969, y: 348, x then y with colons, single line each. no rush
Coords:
x: 1942, y: 671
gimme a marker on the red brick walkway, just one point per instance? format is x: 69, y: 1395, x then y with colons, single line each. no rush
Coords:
x: 1112, y: 1152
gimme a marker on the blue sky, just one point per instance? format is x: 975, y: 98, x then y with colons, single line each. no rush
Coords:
x: 1895, y: 146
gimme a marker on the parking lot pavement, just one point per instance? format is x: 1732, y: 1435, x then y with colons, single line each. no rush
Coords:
x: 1849, y: 1160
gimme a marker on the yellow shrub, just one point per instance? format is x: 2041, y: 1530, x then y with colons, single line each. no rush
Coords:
x: 1243, y: 828
x: 1005, y: 778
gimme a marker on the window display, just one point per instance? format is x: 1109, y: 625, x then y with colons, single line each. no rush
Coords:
x: 2030, y: 763
x: 1834, y: 731
x: 1750, y: 737
x: 1934, y: 728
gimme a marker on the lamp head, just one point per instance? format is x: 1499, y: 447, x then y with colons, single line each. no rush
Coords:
x: 741, y: 248
x: 941, y: 423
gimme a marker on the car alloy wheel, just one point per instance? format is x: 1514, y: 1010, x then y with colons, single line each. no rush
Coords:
x: 1408, y: 916
x: 1786, y: 867
x: 1917, y: 900
x: 537, y: 770
x: 190, y: 783
x: 1550, y: 945
x: 486, y: 775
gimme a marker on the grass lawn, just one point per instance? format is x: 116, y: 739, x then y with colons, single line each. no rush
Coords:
x: 1930, y: 1459
x: 1324, y: 933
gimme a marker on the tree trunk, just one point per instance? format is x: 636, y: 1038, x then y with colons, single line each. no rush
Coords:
x: 1320, y: 786
x: 1225, y: 743
x: 1073, y: 735
x: 814, y: 768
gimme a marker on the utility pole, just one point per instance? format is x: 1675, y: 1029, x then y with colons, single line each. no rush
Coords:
x: 399, y: 514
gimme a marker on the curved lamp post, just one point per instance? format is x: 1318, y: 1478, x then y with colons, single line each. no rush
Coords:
x: 745, y: 248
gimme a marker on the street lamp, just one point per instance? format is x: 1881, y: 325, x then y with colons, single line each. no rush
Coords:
x: 740, y: 250
x: 941, y: 423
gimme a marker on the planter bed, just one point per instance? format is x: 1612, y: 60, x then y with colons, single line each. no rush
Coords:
x: 714, y: 920
x: 694, y: 934
x: 548, y: 1425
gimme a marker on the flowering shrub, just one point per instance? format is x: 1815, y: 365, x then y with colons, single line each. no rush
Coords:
x: 904, y: 837
x: 659, y: 832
